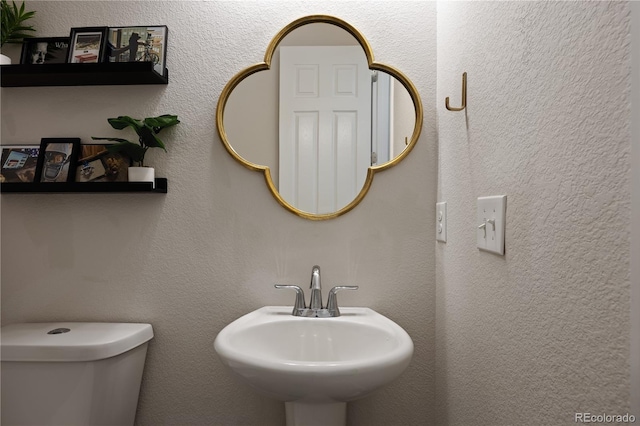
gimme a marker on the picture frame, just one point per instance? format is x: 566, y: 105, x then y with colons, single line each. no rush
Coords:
x: 97, y: 164
x: 87, y: 45
x: 44, y: 50
x: 18, y: 163
x: 150, y: 45
x: 57, y: 159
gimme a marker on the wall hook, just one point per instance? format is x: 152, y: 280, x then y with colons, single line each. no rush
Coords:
x: 464, y: 95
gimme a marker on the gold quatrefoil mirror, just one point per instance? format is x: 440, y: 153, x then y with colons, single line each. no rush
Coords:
x: 319, y: 117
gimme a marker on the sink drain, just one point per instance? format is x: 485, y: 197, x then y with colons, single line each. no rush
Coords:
x: 59, y: 331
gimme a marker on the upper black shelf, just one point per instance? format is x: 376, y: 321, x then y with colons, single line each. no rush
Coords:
x: 101, y: 74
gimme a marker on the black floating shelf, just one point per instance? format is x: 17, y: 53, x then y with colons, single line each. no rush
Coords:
x: 106, y: 73
x: 86, y: 187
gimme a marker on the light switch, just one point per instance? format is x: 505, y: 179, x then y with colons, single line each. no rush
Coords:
x: 441, y: 221
x: 490, y: 223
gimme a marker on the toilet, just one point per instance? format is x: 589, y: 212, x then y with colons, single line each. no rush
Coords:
x: 72, y: 373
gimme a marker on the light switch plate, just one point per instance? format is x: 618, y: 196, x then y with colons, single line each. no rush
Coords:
x: 490, y: 223
x: 441, y: 221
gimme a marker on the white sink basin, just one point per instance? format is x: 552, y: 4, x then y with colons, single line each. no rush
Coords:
x: 315, y: 360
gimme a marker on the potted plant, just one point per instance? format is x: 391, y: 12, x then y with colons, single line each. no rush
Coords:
x: 147, y: 131
x: 13, y: 25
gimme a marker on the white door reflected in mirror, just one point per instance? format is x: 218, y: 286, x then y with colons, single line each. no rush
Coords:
x: 325, y: 126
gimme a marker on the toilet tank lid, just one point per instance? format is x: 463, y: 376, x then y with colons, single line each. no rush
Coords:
x: 85, y: 341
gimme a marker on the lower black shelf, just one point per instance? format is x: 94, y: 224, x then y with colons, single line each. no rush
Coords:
x: 85, y: 187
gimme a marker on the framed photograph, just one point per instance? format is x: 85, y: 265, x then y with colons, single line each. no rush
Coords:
x: 139, y: 44
x: 18, y: 163
x: 98, y: 164
x: 49, y: 50
x: 57, y: 159
x: 87, y: 45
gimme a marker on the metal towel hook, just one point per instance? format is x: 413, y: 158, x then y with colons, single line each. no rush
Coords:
x: 464, y: 95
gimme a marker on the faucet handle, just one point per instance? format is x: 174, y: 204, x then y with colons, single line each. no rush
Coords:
x: 332, y: 303
x: 300, y: 303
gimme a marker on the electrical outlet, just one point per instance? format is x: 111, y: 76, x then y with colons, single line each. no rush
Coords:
x: 441, y: 221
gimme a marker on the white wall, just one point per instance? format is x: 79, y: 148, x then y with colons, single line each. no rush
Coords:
x: 210, y: 250
x: 529, y: 338
x: 635, y: 209
x: 543, y: 332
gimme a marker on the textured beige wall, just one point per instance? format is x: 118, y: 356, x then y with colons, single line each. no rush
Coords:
x: 635, y: 209
x: 529, y: 338
x: 210, y: 250
x: 543, y: 332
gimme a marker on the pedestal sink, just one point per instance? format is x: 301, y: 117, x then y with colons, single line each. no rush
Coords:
x: 315, y: 365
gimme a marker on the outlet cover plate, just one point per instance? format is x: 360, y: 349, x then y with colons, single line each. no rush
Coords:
x: 491, y: 210
x: 441, y: 221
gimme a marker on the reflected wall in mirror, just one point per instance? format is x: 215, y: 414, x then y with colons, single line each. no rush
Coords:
x: 319, y: 117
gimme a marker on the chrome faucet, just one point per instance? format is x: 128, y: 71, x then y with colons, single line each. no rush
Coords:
x: 316, y: 289
x: 315, y: 308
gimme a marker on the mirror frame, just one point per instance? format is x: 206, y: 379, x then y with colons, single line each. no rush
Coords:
x: 266, y: 65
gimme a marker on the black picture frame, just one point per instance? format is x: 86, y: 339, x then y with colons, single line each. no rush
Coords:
x: 57, y: 160
x: 18, y: 163
x: 96, y: 163
x: 87, y: 45
x: 151, y: 45
x: 45, y: 50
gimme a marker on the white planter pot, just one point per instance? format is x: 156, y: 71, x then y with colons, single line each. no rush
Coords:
x: 142, y: 174
x: 5, y: 60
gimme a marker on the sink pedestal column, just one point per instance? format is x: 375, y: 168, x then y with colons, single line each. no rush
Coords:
x: 316, y: 414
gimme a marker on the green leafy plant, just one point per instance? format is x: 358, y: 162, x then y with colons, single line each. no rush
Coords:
x: 13, y: 23
x: 147, y: 131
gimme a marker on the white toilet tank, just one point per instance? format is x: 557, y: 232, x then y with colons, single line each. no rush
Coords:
x: 72, y: 373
